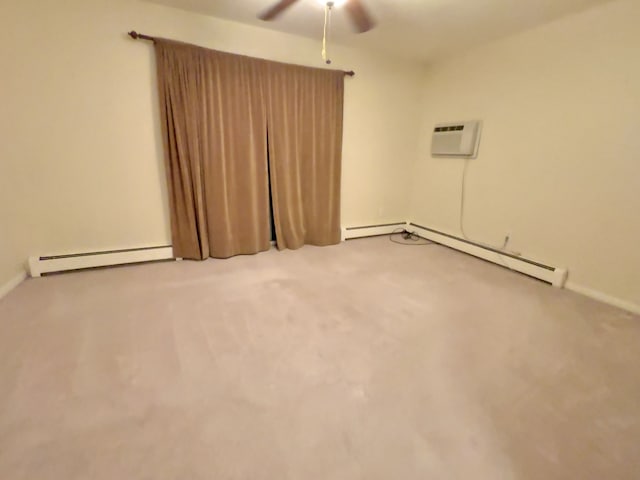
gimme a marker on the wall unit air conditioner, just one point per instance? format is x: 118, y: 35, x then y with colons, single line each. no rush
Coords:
x: 456, y: 139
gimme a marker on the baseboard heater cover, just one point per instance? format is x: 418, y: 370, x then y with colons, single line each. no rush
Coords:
x: 80, y: 261
x: 349, y: 233
x: 555, y: 276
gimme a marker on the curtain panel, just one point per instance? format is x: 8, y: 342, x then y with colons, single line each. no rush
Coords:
x: 227, y: 120
x: 304, y: 108
x: 213, y: 119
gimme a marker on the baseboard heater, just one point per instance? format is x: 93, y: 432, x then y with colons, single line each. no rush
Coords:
x: 39, y: 266
x: 553, y: 275
x: 350, y: 233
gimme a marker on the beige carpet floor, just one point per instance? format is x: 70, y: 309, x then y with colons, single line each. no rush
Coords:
x: 367, y: 360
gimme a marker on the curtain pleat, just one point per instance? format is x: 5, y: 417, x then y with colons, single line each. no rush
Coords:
x: 214, y: 128
x: 305, y: 118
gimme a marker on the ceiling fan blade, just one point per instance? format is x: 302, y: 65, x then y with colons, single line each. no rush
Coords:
x: 359, y: 15
x: 276, y: 10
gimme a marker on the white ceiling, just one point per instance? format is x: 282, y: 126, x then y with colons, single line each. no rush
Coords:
x: 421, y: 30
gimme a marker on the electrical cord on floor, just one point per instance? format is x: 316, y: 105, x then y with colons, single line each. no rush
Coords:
x: 409, y: 238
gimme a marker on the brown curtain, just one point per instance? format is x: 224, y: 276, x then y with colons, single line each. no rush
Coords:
x: 214, y: 128
x: 305, y: 112
x: 216, y: 110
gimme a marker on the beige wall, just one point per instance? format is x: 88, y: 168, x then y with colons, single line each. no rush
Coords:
x: 81, y: 154
x: 559, y: 163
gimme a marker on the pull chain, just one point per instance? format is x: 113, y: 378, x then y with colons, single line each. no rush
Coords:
x: 327, y: 25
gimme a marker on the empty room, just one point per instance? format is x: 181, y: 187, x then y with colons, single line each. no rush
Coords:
x: 301, y: 239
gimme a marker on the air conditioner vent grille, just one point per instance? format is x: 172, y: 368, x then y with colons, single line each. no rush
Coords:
x: 455, y: 128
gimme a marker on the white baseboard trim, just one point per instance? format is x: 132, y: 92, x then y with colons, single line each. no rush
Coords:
x: 556, y: 276
x: 603, y: 297
x: 79, y: 261
x: 12, y: 284
x: 349, y: 233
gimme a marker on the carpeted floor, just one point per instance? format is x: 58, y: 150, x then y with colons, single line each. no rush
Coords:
x: 368, y: 360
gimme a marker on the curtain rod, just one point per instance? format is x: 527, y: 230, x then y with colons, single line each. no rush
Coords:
x: 135, y: 35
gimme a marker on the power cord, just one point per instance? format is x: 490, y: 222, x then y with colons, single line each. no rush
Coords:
x: 409, y: 237
x: 463, y: 189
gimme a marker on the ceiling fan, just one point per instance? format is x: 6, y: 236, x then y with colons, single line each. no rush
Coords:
x: 360, y: 17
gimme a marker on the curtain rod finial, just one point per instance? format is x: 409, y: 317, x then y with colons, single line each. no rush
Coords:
x: 350, y: 73
x: 139, y: 36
